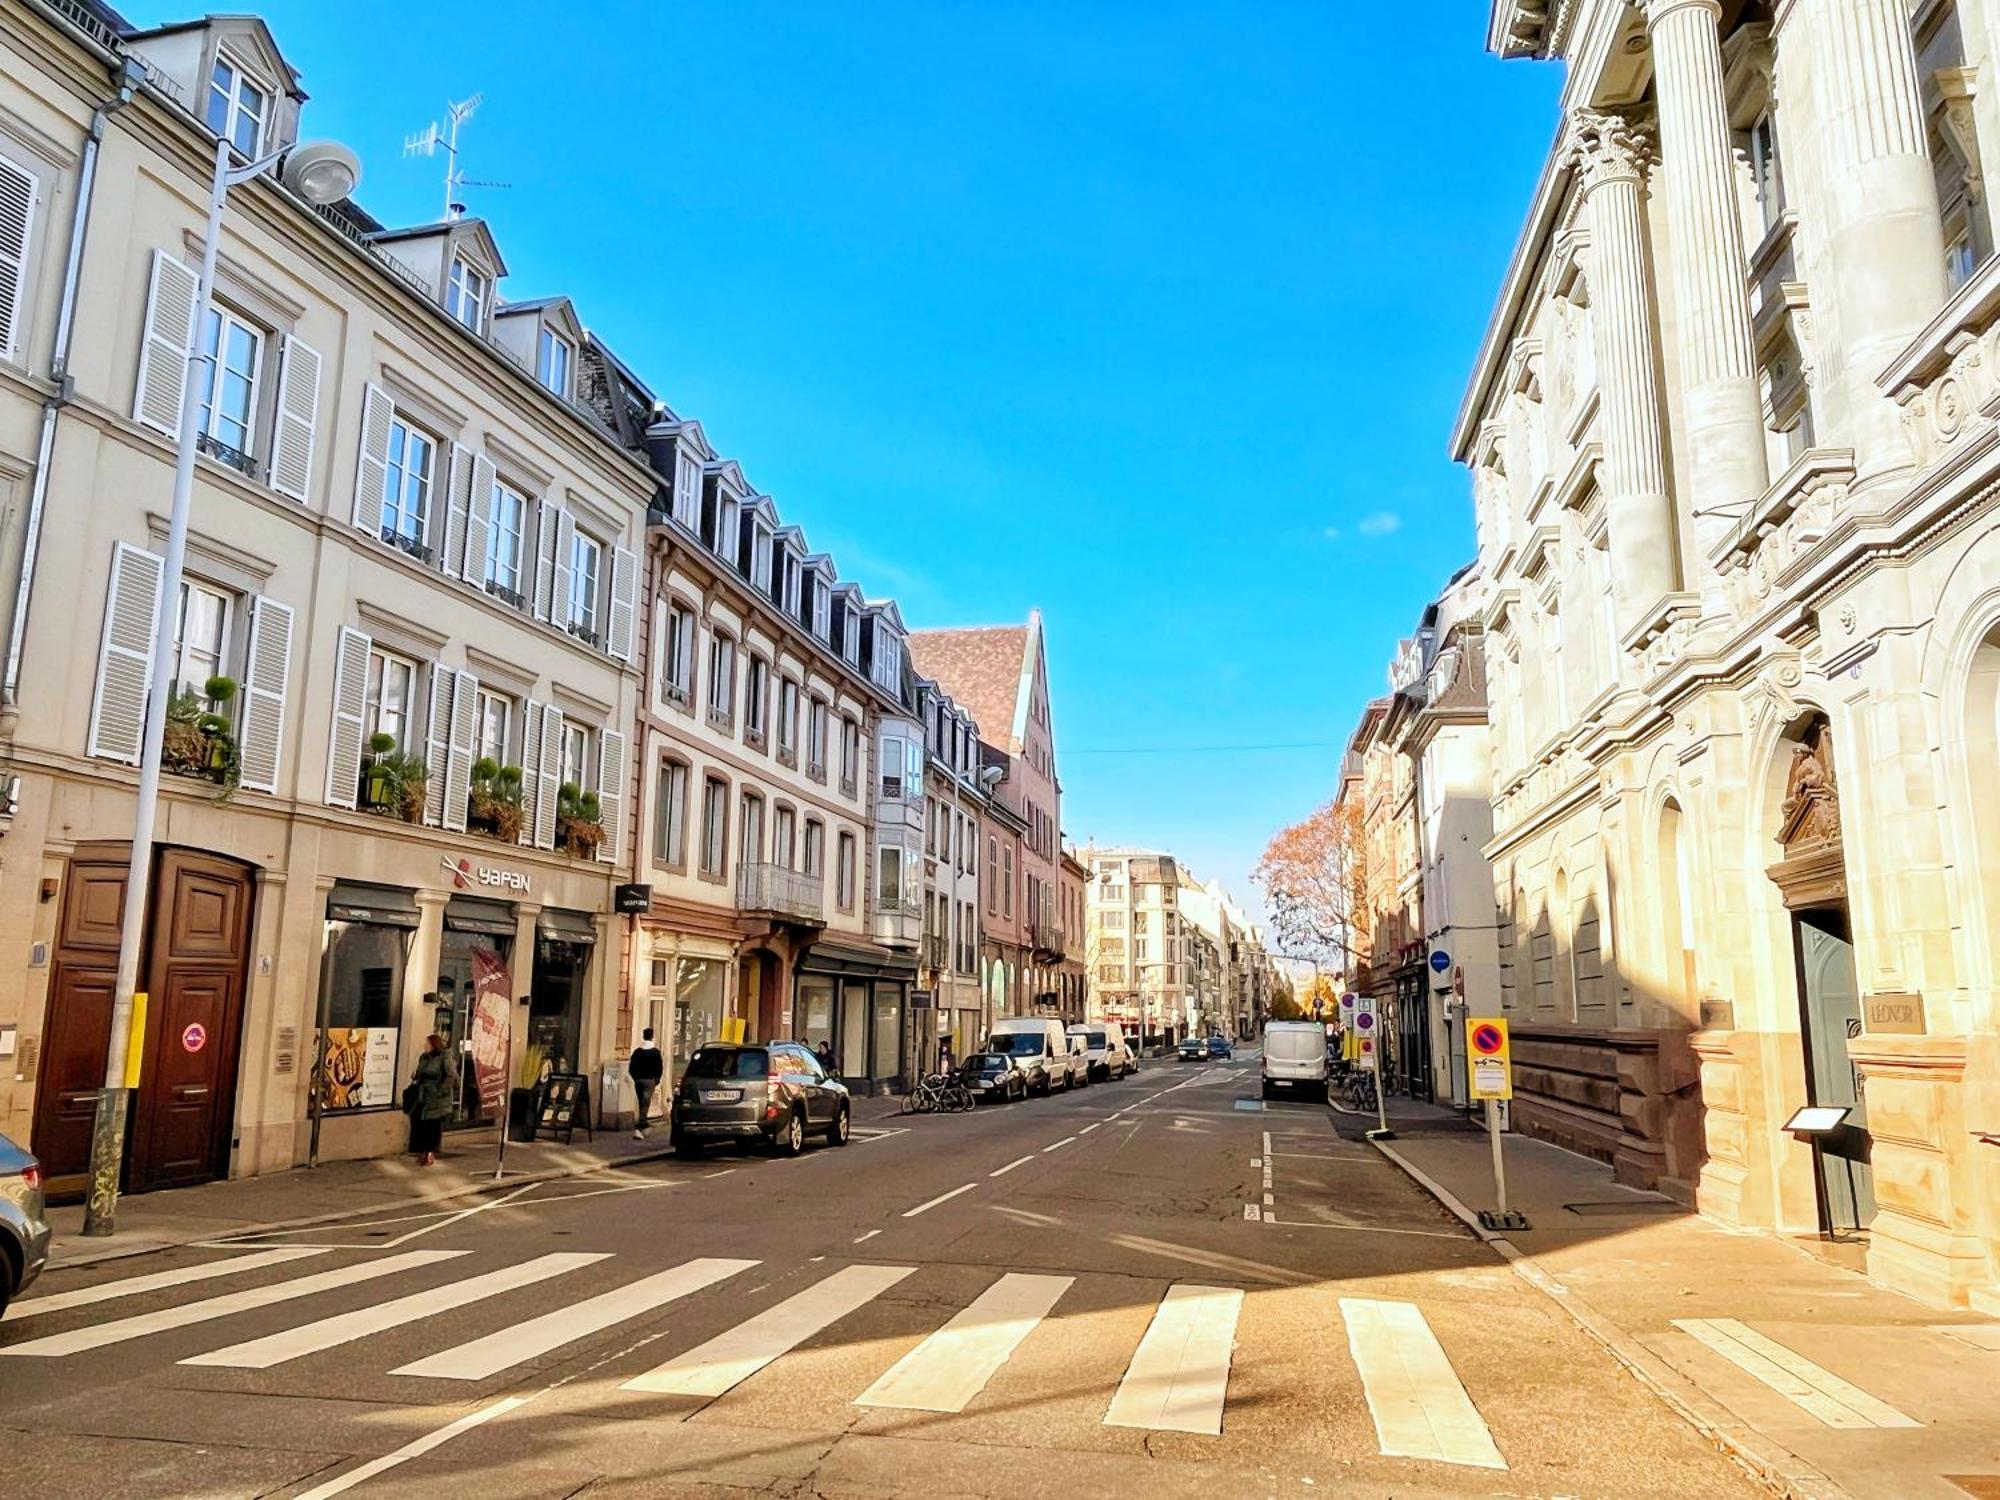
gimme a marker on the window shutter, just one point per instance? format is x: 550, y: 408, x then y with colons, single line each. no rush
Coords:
x: 565, y: 548
x: 458, y: 758
x: 169, y: 336
x: 479, y: 519
x: 548, y: 776
x: 611, y: 794
x: 437, y: 743
x: 545, y: 559
x: 125, y: 659
x: 17, y: 222
x: 372, y: 473
x: 624, y: 589
x: 451, y: 551
x: 531, y: 764
x: 298, y: 413
x: 262, y: 731
x: 350, y: 704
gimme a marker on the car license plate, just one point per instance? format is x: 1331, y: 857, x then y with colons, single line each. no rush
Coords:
x: 721, y: 1096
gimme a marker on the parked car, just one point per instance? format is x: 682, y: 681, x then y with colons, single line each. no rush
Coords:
x: 24, y: 1227
x: 1192, y: 1049
x: 1220, y: 1046
x: 773, y: 1095
x: 1106, y: 1050
x: 993, y: 1075
x: 1295, y: 1057
x: 1039, y: 1046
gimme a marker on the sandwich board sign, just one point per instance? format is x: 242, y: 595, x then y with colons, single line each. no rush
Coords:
x: 1488, y: 1059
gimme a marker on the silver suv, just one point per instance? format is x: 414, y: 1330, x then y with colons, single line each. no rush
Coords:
x: 24, y: 1227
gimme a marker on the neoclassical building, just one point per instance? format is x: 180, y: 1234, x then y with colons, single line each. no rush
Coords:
x: 1734, y: 451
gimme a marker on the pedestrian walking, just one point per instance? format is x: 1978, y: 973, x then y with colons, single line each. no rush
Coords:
x: 646, y: 1068
x: 427, y: 1100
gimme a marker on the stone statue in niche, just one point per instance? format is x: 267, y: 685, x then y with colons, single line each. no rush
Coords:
x: 1811, y: 810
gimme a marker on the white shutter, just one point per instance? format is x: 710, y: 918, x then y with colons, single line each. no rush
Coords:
x: 531, y: 765
x: 611, y: 793
x: 450, y: 551
x: 371, y: 474
x: 17, y: 223
x: 350, y: 706
x: 624, y: 590
x: 169, y: 337
x: 479, y: 519
x: 564, y: 550
x: 545, y: 558
x: 548, y: 776
x: 261, y: 733
x: 437, y: 743
x: 125, y: 659
x: 457, y: 772
x: 298, y: 414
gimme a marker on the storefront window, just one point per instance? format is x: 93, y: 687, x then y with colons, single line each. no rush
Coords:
x: 888, y: 1030
x: 815, y: 1011
x: 697, y: 1005
x: 362, y: 1011
x: 854, y: 1030
x: 474, y: 1013
x: 555, y: 1006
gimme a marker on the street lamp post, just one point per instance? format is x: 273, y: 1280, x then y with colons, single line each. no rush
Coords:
x: 319, y: 172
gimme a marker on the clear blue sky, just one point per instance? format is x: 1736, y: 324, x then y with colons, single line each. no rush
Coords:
x: 1153, y: 315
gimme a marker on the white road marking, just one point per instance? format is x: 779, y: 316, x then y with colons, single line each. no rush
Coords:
x: 133, y: 1286
x: 1420, y: 1408
x: 344, y: 1328
x: 729, y: 1359
x: 949, y: 1368
x: 1019, y: 1161
x: 524, y: 1341
x: 1088, y: 1128
x: 923, y: 1208
x: 723, y: 1173
x: 78, y: 1339
x: 345, y: 1482
x: 465, y: 1213
x: 1058, y: 1145
x: 1180, y: 1373
x: 858, y: 1239
x: 1814, y: 1390
x: 1251, y: 1211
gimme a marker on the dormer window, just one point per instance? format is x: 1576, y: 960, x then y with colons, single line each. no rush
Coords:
x: 822, y: 613
x: 790, y: 602
x: 725, y: 527
x: 760, y: 553
x: 466, y: 292
x: 237, y: 107
x: 552, y: 358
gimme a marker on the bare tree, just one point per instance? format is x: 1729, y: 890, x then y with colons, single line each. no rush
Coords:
x: 1314, y: 878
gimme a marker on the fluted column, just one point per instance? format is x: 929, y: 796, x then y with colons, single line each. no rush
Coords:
x: 1610, y: 159
x: 1885, y: 245
x: 1721, y: 408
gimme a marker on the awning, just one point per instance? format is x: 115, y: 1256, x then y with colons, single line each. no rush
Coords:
x: 476, y: 914
x: 832, y: 956
x: 383, y: 905
x: 566, y: 926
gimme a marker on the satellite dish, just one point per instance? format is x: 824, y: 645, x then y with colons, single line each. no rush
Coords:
x: 322, y: 171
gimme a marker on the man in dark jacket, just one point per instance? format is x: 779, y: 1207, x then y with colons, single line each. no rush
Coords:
x: 646, y: 1068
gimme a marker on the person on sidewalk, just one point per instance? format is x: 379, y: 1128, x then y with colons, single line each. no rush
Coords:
x: 646, y: 1068
x: 428, y: 1100
x: 824, y: 1052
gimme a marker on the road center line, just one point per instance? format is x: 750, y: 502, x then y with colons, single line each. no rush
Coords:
x: 941, y: 1198
x: 868, y: 1236
x: 1088, y: 1128
x: 1058, y: 1145
x: 1019, y: 1161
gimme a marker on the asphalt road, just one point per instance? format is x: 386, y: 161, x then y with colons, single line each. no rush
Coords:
x: 1153, y: 1288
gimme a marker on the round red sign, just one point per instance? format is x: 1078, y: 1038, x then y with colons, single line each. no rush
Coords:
x: 195, y: 1037
x: 1486, y: 1039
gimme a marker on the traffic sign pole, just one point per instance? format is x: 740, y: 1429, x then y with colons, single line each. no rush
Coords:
x: 1499, y: 1159
x: 1490, y: 1068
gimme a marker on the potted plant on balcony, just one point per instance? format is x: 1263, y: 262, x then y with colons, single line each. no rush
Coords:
x: 579, y: 821
x: 495, y: 805
x: 218, y: 735
x: 393, y: 780
x: 198, y: 739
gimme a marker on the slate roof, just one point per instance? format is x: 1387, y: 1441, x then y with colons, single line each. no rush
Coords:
x: 981, y: 668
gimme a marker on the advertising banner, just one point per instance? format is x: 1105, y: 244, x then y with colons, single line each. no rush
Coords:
x: 359, y: 1069
x: 492, y: 1017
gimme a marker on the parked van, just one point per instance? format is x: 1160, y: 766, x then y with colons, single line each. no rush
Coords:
x: 1295, y: 1057
x: 1105, y: 1049
x: 1040, y: 1046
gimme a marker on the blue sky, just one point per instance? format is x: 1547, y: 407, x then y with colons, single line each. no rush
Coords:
x: 1155, y: 316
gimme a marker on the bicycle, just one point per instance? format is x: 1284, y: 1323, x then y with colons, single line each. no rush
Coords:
x: 937, y: 1092
x: 1361, y: 1088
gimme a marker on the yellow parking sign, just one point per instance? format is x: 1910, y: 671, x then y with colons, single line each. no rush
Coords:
x: 1489, y: 1063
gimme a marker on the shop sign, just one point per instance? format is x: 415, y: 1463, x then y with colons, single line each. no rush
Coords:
x: 195, y: 1037
x: 631, y: 900
x: 358, y: 1070
x: 920, y: 999
x: 467, y: 873
x: 491, y: 1026
x: 1893, y: 1014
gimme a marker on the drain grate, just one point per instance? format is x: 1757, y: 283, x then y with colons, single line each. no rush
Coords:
x: 1623, y: 1206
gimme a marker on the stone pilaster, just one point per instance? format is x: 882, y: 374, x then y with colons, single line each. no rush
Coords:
x: 1720, y: 405
x: 1610, y: 158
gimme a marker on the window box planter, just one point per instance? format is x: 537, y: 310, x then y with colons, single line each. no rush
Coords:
x: 393, y: 782
x: 198, y: 741
x: 579, y: 822
x: 494, y: 805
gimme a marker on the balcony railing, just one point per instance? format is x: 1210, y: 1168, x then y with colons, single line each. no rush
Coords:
x: 937, y: 950
x: 414, y: 546
x: 773, y: 888
x: 221, y: 452
x: 899, y: 906
x: 1046, y: 937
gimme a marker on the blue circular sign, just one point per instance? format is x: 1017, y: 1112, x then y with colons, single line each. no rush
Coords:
x: 1440, y: 961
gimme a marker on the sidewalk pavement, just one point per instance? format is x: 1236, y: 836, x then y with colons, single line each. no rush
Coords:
x: 338, y: 1190
x: 1822, y: 1383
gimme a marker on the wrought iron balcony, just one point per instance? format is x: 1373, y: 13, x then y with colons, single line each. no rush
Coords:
x: 787, y: 893
x: 414, y: 546
x: 1047, y: 937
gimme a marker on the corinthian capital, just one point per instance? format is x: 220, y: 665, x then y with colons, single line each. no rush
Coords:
x: 1607, y: 148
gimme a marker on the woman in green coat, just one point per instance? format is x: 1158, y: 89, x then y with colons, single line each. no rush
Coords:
x: 428, y: 1100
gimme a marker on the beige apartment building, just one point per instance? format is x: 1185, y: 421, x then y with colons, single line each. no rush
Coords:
x: 1138, y: 968
x: 959, y: 1011
x: 1734, y: 449
x: 412, y: 562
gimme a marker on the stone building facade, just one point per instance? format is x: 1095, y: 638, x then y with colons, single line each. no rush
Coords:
x: 1735, y: 459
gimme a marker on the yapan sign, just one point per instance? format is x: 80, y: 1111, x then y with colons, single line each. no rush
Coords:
x: 465, y: 875
x: 1893, y: 1014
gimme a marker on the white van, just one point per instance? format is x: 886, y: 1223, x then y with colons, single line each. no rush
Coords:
x: 1042, y: 1050
x: 1295, y: 1057
x: 1105, y: 1049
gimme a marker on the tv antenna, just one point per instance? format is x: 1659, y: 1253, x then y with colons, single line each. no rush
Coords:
x: 434, y: 138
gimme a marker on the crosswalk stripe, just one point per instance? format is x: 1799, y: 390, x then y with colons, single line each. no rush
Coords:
x: 1180, y: 1373
x: 731, y: 1358
x: 952, y: 1366
x: 344, y: 1328
x: 1419, y: 1407
x: 524, y: 1341
x: 133, y: 1286
x: 79, y: 1339
x: 1810, y: 1387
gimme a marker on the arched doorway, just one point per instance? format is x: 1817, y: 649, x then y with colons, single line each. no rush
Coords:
x: 1811, y: 875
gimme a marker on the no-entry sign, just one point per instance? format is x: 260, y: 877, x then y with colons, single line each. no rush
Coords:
x: 1488, y: 1061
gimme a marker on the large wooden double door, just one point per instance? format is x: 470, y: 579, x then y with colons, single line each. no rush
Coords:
x: 194, y: 970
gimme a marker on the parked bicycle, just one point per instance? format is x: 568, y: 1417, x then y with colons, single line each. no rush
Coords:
x: 937, y: 1092
x: 1361, y: 1087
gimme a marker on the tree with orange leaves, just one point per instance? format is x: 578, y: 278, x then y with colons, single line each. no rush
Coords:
x: 1314, y: 878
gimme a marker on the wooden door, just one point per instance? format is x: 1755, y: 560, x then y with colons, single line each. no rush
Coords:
x: 78, y: 1029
